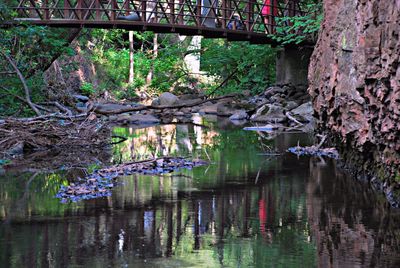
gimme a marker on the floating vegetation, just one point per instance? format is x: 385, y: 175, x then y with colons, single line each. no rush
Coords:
x: 100, y: 182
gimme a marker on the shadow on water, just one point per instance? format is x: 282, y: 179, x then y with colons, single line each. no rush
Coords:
x: 246, y: 209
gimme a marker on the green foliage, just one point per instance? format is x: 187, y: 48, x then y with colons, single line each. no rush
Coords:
x: 252, y: 67
x: 31, y: 48
x: 111, y: 55
x: 87, y: 88
x: 298, y: 29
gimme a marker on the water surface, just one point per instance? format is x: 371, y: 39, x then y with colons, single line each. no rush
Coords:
x: 248, y: 208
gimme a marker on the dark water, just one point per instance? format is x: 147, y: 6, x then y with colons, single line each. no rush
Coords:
x: 246, y: 209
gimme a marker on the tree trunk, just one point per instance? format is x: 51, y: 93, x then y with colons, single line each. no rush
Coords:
x: 131, y: 59
x: 155, y: 54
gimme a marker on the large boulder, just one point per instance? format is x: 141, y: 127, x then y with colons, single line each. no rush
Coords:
x: 269, y: 113
x: 303, y: 113
x: 168, y: 99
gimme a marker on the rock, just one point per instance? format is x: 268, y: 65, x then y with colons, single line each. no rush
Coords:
x: 139, y: 119
x: 190, y: 102
x: 2, y: 122
x: 290, y: 105
x: 168, y: 99
x: 246, y: 105
x: 155, y: 102
x: 195, y: 109
x: 225, y: 109
x: 186, y: 110
x: 260, y: 111
x: 354, y: 85
x: 179, y: 114
x: 81, y: 98
x: 167, y: 119
x: 274, y: 114
x: 108, y: 107
x: 303, y: 113
x: 272, y: 91
x: 276, y: 99
x: 240, y: 115
x: 188, y: 97
x: 239, y: 122
x: 208, y: 108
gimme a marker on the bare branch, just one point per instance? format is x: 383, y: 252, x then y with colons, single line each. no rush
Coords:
x: 23, y: 81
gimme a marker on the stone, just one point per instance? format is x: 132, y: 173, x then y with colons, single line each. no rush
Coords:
x: 275, y: 99
x: 208, y: 108
x: 274, y: 115
x: 167, y: 119
x: 108, y: 107
x: 239, y: 122
x: 168, y: 99
x: 240, y: 115
x: 290, y: 105
x: 303, y: 113
x: 138, y: 119
x: 190, y: 101
x: 179, y: 114
x: 81, y: 98
x: 186, y: 110
x: 155, y: 102
x: 225, y: 109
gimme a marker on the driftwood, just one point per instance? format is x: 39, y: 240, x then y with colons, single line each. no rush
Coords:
x: 315, y: 150
x: 157, y: 107
x: 17, y: 136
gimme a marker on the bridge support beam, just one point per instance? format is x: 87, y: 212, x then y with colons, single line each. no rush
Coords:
x: 292, y: 66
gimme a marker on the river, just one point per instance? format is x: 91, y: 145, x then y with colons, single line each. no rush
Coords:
x: 248, y: 208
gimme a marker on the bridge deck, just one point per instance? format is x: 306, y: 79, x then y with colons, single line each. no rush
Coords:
x: 239, y: 20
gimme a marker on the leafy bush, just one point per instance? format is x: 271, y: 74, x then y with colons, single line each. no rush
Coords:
x: 298, y: 29
x: 246, y: 66
x: 87, y: 88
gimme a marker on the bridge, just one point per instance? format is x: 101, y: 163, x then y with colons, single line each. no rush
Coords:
x: 235, y: 20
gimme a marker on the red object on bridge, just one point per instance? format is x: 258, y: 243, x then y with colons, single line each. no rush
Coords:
x: 270, y: 8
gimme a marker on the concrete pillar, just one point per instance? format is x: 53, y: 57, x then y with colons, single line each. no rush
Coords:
x: 292, y: 66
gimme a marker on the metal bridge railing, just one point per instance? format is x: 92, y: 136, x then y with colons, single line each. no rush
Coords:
x: 253, y: 16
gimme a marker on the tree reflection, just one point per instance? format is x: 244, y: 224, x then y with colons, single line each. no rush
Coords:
x: 243, y: 210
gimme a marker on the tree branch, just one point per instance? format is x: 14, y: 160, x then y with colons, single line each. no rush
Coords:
x: 23, y: 81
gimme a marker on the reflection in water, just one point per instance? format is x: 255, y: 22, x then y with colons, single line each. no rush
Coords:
x: 244, y: 210
x: 351, y: 225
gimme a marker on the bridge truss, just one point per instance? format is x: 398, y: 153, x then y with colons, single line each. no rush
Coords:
x: 246, y: 20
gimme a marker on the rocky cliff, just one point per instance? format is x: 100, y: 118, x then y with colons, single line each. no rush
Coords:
x: 354, y: 80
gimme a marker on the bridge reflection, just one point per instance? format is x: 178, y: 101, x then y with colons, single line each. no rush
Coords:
x: 248, y: 20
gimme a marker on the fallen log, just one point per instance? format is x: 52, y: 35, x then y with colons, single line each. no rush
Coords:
x: 159, y: 107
